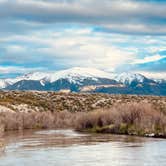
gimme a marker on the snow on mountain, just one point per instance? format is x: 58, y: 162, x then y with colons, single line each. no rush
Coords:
x: 128, y: 78
x: 160, y: 80
x: 74, y: 79
x: 33, y: 76
x: 3, y: 83
x: 36, y: 76
x: 74, y: 75
x: 30, y: 76
x: 77, y: 74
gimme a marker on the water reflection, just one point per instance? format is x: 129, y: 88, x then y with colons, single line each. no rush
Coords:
x: 66, y: 147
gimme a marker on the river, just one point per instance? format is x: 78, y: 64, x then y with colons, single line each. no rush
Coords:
x: 69, y: 148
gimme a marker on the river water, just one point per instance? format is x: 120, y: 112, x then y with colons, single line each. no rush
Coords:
x: 69, y: 148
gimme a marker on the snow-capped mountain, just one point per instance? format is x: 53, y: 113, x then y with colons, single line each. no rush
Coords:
x: 72, y: 79
x: 128, y: 78
x: 33, y: 76
x: 91, y: 80
x: 30, y: 76
x: 73, y: 75
x: 77, y: 74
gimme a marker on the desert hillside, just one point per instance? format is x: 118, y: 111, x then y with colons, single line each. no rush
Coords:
x: 35, y: 101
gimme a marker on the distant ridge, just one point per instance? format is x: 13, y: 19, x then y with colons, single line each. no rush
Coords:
x: 90, y: 80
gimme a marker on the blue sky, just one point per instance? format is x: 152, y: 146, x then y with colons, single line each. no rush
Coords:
x: 112, y: 35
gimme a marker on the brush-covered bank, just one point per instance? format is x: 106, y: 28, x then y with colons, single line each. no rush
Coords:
x: 139, y: 119
x: 117, y: 114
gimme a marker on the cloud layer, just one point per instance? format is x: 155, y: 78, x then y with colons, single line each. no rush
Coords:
x: 129, y: 16
x: 114, y: 35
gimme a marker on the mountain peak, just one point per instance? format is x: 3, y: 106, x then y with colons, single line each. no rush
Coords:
x: 128, y: 78
x: 76, y: 73
x: 33, y: 76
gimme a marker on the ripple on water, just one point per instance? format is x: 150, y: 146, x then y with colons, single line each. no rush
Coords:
x: 67, y: 147
x: 68, y: 133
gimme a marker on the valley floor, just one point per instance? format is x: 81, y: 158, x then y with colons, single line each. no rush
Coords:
x: 101, y: 113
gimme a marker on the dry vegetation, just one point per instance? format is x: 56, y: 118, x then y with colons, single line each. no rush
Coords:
x: 30, y: 101
x: 35, y: 120
x: 133, y: 119
x: 120, y: 114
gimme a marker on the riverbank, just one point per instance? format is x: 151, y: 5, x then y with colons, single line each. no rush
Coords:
x: 138, y: 119
x: 141, y: 118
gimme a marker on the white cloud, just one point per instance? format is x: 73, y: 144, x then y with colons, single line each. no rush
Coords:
x: 77, y: 46
x: 81, y: 46
x: 153, y: 75
x: 16, y: 69
x: 15, y: 48
x: 129, y: 16
x: 97, y: 51
x: 148, y: 59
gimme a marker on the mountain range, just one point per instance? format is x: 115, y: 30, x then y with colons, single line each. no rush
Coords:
x: 89, y: 80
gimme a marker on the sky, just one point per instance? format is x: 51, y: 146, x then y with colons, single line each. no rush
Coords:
x: 112, y: 35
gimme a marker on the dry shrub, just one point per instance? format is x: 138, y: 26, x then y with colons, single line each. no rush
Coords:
x: 130, y: 118
x: 35, y: 120
x: 63, y: 119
